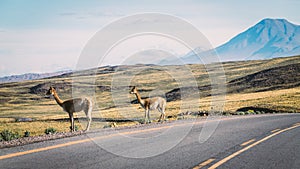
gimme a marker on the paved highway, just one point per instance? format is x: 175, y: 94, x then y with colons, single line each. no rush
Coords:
x: 256, y: 141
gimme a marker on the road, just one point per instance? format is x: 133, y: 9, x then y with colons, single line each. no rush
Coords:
x: 255, y: 141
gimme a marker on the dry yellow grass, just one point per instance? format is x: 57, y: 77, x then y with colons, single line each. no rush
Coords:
x: 16, y: 101
x: 36, y: 127
x: 285, y: 100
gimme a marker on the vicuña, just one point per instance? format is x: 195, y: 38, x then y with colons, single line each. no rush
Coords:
x: 74, y: 105
x: 153, y: 103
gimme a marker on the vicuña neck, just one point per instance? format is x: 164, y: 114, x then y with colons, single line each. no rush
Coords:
x: 57, y: 99
x: 139, y: 98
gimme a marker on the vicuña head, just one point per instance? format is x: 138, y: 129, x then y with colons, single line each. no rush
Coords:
x: 51, y: 91
x: 133, y: 90
x: 74, y: 105
x: 148, y: 104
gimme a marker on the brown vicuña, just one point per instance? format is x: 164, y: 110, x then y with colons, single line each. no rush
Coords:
x: 74, y: 105
x: 153, y: 103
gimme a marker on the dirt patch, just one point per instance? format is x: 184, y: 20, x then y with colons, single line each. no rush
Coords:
x: 257, y: 109
x: 104, y: 88
x: 186, y: 92
x: 283, y: 77
x: 42, y: 88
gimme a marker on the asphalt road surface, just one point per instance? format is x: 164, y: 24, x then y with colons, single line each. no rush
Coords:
x: 255, y: 141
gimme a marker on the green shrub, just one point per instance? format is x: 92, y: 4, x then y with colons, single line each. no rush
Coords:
x: 75, y: 128
x: 26, y: 133
x: 240, y: 113
x: 107, y: 126
x: 180, y: 117
x: 50, y: 130
x: 251, y: 111
x: 110, y: 125
x: 7, y: 135
x: 226, y: 113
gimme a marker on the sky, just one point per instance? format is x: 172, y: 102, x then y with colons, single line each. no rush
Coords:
x: 38, y: 36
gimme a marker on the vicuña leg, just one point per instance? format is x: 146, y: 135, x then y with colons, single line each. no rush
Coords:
x: 72, y: 122
x: 145, y: 119
x: 88, y: 114
x: 89, y: 119
x: 162, y: 116
x: 148, y: 114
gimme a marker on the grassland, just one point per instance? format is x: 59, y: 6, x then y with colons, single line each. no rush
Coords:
x: 109, y: 87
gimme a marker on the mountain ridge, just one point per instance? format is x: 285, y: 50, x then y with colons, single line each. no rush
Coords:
x: 269, y: 38
x: 30, y: 76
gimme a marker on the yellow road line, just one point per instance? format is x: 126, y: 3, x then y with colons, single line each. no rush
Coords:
x: 91, y: 139
x: 248, y: 147
x: 43, y: 149
x: 77, y: 142
x: 275, y: 130
x: 100, y: 137
x: 205, y: 163
x: 247, y: 142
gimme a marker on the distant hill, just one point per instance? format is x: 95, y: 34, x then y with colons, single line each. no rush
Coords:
x: 30, y: 76
x: 282, y: 77
x: 278, y: 78
x: 270, y: 38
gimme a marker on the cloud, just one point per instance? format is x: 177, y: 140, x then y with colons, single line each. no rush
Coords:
x: 151, y: 56
x: 41, y: 50
x: 90, y: 15
x: 145, y: 48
